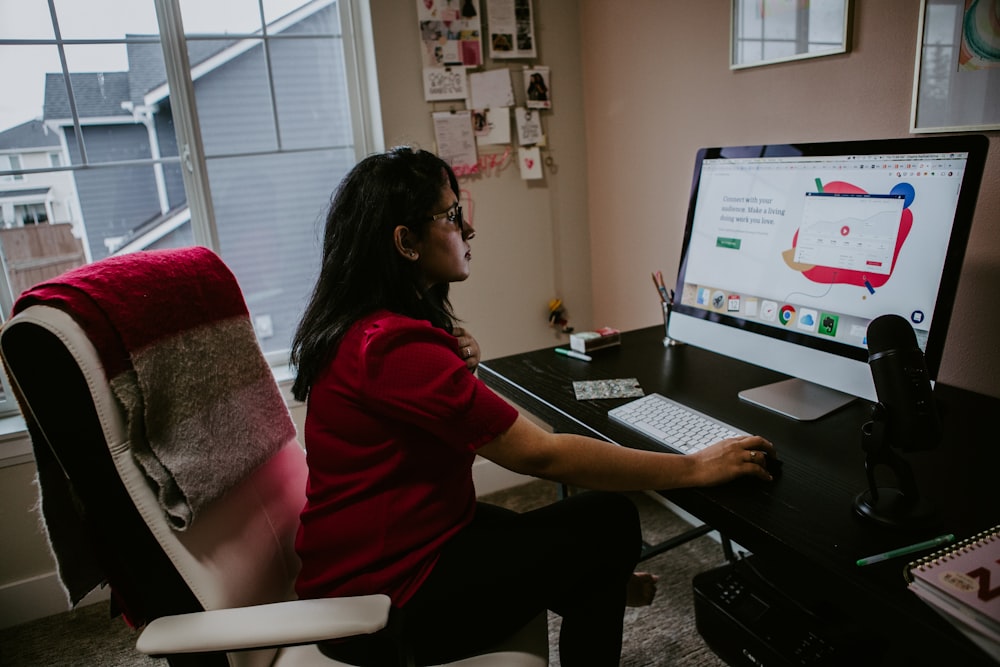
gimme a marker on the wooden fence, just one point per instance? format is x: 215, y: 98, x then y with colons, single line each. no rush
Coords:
x: 34, y: 253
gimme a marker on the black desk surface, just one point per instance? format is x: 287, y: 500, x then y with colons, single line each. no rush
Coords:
x: 803, y: 523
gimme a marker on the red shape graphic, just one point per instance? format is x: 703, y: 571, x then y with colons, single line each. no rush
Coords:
x: 828, y: 275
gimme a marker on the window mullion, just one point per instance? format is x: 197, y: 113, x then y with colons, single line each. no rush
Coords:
x: 362, y: 81
x: 182, y: 105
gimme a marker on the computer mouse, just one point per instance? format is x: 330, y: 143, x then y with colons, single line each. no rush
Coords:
x: 773, y: 465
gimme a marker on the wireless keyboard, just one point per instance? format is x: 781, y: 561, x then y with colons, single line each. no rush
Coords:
x: 671, y: 424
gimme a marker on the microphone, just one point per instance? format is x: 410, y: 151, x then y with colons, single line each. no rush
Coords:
x: 902, y: 384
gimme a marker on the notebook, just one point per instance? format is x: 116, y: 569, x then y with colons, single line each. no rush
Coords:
x: 962, y: 583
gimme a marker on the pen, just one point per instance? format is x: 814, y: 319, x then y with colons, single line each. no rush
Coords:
x: 905, y: 551
x: 573, y: 353
x: 661, y: 287
x: 656, y: 284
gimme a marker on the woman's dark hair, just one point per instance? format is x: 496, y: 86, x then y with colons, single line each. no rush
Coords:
x: 361, y: 271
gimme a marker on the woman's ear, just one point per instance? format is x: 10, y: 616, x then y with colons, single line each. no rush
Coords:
x: 403, y: 239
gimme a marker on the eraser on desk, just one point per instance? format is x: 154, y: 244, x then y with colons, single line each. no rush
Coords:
x: 588, y: 341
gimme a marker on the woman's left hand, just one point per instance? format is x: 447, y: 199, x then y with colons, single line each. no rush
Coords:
x: 468, y: 348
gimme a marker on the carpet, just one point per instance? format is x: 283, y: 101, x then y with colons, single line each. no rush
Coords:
x: 662, y: 634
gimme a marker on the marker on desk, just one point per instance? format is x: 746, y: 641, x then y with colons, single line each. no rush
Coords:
x: 906, y: 551
x: 573, y: 353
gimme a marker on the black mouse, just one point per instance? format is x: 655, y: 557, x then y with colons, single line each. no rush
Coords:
x: 773, y: 465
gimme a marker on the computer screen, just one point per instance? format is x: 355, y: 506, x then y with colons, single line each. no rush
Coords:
x: 791, y: 250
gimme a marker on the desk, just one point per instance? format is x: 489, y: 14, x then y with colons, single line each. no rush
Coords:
x: 802, y: 525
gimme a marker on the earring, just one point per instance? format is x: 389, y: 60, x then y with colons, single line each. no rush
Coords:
x: 413, y: 254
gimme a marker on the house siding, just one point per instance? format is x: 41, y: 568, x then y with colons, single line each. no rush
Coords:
x: 114, y: 200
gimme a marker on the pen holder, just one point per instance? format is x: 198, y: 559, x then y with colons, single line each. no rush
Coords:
x: 668, y: 308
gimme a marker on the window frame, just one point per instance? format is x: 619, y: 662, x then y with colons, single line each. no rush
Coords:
x: 363, y: 104
x: 10, y: 166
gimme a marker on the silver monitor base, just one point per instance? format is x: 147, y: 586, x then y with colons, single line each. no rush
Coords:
x: 797, y: 399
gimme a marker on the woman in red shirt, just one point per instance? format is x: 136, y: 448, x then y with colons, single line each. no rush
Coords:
x: 395, y: 420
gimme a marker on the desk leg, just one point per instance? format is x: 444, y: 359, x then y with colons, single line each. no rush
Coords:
x: 727, y: 548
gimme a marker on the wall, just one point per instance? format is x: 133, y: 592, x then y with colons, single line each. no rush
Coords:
x: 658, y: 87
x: 531, y: 239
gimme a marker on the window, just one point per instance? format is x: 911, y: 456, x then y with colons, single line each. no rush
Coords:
x: 31, y: 214
x: 11, y: 164
x: 165, y: 123
x: 765, y: 31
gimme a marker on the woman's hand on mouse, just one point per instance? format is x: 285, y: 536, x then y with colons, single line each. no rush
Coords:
x: 734, y: 457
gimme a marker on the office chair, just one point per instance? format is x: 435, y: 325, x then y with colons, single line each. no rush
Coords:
x: 210, y: 579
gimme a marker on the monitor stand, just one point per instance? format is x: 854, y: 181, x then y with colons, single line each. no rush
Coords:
x: 796, y: 399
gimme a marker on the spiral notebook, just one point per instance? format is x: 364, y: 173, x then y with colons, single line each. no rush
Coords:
x: 962, y: 583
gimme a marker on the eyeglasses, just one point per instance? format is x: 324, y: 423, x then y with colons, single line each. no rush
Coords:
x: 453, y: 215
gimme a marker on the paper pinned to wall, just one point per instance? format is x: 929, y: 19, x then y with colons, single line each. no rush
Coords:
x: 491, y: 126
x: 456, y: 143
x: 511, y: 29
x: 529, y: 127
x: 491, y: 89
x: 450, y: 32
x: 445, y: 83
x: 536, y: 88
x: 530, y: 160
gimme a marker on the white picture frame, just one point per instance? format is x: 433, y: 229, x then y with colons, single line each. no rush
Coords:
x: 954, y: 91
x: 765, y: 32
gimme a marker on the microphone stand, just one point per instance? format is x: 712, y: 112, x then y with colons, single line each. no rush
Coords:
x: 902, y: 506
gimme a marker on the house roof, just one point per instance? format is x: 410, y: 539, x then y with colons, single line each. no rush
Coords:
x: 145, y: 62
x: 101, y: 94
x: 97, y: 94
x: 32, y: 134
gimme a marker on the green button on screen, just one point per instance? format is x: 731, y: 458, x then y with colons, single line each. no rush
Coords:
x: 723, y: 242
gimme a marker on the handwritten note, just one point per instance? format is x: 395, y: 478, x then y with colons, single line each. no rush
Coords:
x: 445, y: 83
x: 529, y: 126
x: 456, y: 143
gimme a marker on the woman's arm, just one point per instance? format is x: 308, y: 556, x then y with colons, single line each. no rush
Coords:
x: 594, y: 464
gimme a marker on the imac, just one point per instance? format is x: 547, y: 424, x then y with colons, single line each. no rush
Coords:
x: 791, y: 250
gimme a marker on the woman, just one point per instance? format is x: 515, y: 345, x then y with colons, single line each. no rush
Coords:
x: 394, y: 421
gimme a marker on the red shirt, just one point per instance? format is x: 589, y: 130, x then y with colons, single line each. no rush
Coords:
x: 391, y: 430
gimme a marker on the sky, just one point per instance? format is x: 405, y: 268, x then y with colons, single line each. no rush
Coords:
x: 23, y: 67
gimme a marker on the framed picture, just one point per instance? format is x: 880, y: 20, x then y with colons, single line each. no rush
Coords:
x: 956, y: 78
x: 774, y: 31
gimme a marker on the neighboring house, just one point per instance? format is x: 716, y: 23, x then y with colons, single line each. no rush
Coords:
x: 126, y: 116
x: 40, y: 224
x: 116, y: 201
x: 28, y: 199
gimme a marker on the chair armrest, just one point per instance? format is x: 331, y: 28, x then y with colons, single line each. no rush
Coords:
x: 276, y: 624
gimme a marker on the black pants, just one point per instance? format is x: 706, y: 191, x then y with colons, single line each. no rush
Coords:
x: 574, y: 557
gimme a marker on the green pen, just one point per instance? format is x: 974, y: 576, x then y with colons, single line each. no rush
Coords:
x: 573, y: 353
x: 906, y: 551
